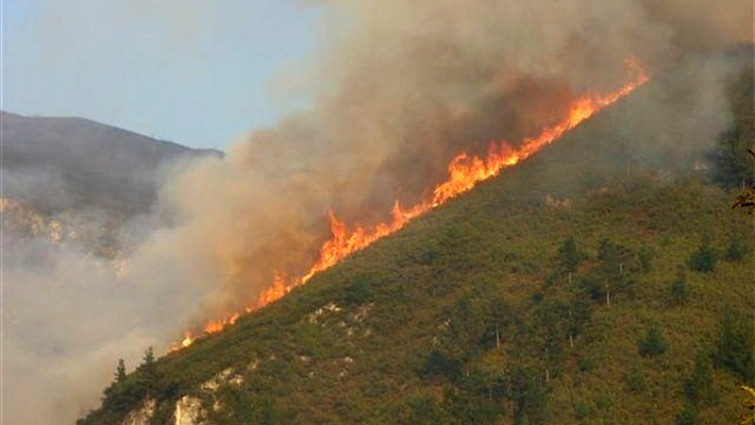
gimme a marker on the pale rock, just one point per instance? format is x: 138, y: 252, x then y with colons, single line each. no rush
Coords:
x: 142, y: 415
x: 188, y: 411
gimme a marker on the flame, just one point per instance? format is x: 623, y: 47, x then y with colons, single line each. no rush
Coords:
x: 464, y: 172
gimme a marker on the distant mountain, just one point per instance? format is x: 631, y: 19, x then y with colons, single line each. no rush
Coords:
x: 59, y: 164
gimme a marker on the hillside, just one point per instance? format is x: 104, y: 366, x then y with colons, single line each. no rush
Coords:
x: 56, y: 164
x: 72, y: 179
x: 581, y: 287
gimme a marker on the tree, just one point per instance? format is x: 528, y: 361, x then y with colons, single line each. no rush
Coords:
x: 679, y: 288
x: 616, y: 262
x: 699, y: 387
x: 149, y: 357
x: 736, y: 348
x: 646, y: 256
x: 736, y: 250
x: 148, y: 368
x: 569, y: 255
x: 120, y: 371
x: 732, y: 168
x: 654, y: 342
x: 704, y: 258
x: 528, y: 396
x: 688, y: 416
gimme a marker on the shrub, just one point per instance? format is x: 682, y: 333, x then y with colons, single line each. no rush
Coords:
x: 736, y: 250
x: 569, y: 256
x: 679, y: 288
x: 704, y: 258
x: 736, y: 347
x: 699, y: 386
x: 653, y: 344
x: 688, y: 416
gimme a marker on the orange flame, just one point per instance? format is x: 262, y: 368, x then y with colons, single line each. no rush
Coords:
x: 464, y: 172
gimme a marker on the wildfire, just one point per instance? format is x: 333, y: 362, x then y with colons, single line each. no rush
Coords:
x: 464, y: 172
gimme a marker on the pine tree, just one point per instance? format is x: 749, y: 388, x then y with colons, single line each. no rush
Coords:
x: 654, y: 342
x: 688, y: 416
x: 646, y: 258
x: 732, y: 167
x: 736, y: 250
x: 120, y: 371
x: 569, y: 255
x: 699, y: 387
x: 704, y: 259
x: 148, y: 368
x: 679, y: 288
x: 736, y: 348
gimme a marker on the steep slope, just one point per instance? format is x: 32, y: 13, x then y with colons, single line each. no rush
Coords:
x: 570, y: 290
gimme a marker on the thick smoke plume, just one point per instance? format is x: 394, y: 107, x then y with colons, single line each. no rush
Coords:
x: 403, y: 87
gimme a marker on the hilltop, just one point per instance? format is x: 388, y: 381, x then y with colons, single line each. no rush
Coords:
x: 59, y: 163
x: 604, y: 280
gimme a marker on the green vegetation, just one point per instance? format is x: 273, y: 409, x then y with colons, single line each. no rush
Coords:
x: 653, y: 344
x: 120, y: 371
x: 499, y: 308
x: 679, y: 288
x: 736, y: 346
x: 688, y: 416
x: 737, y: 250
x: 704, y: 259
x: 699, y: 387
x: 734, y: 168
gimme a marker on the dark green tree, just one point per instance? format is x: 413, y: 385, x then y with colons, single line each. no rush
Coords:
x: 148, y: 369
x: 736, y: 250
x: 653, y: 344
x: 704, y: 259
x: 688, y: 416
x: 732, y: 167
x: 569, y: 256
x: 736, y: 348
x: 529, y: 397
x: 679, y: 288
x: 699, y: 386
x: 120, y: 371
x: 148, y: 360
x: 616, y: 263
x: 646, y: 256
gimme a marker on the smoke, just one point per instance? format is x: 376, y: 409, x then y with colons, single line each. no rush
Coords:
x: 67, y: 318
x: 403, y: 87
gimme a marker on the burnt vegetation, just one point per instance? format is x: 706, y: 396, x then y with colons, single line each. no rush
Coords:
x: 498, y: 308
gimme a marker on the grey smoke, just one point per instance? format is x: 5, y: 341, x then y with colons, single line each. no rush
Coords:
x: 403, y: 87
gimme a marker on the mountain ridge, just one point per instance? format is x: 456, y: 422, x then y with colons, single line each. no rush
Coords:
x: 56, y: 163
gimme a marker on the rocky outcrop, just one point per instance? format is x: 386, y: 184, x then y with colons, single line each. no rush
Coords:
x: 189, y: 411
x: 142, y: 415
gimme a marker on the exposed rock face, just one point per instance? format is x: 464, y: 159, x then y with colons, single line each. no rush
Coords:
x: 142, y: 415
x: 189, y: 411
x: 226, y: 376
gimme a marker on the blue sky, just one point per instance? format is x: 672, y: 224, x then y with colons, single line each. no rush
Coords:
x: 197, y: 72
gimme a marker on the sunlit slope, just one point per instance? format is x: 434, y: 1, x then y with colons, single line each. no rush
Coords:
x: 472, y: 314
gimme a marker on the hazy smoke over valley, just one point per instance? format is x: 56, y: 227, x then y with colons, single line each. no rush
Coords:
x: 402, y: 88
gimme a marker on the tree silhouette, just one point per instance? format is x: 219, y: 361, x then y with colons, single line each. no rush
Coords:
x: 120, y: 371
